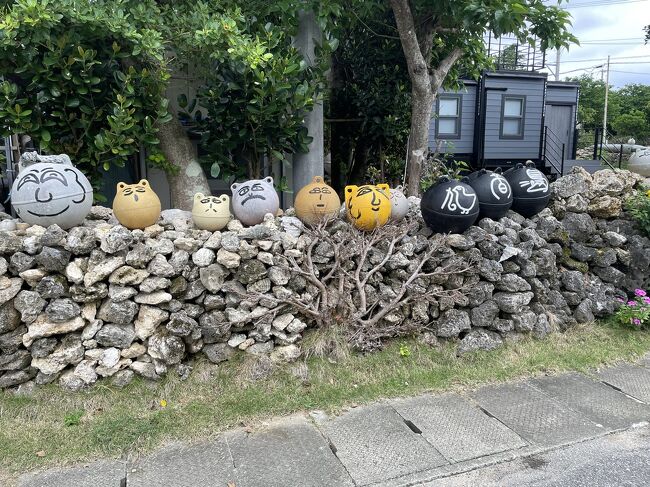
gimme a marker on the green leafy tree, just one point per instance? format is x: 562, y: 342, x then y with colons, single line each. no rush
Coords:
x: 82, y: 78
x: 632, y: 124
x: 370, y: 102
x: 89, y: 77
x: 438, y: 37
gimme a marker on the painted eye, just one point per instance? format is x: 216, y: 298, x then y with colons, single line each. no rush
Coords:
x: 315, y: 191
x: 51, y: 174
x: 30, y: 177
x: 127, y: 192
x: 205, y: 201
x: 216, y: 201
x: 325, y: 190
x: 139, y: 189
x: 258, y: 187
x: 243, y: 191
x: 364, y: 190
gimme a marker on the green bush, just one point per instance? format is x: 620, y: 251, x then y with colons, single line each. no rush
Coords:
x: 638, y: 205
x: 83, y: 78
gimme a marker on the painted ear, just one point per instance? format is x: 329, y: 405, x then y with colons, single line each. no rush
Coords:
x: 317, y: 180
x: 351, y: 189
x: 400, y: 188
x: 225, y: 198
x: 234, y: 186
x: 143, y: 182
x: 385, y: 189
x: 198, y: 196
x: 121, y: 186
x: 269, y: 180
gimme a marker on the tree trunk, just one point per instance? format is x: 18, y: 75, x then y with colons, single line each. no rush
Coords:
x: 421, y: 108
x: 179, y: 151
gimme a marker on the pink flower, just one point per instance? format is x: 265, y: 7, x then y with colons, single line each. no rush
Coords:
x: 640, y: 292
x: 636, y: 321
x: 631, y: 303
x: 646, y: 300
x: 621, y: 300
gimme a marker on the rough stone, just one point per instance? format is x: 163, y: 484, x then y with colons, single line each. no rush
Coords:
x: 479, y: 340
x: 452, y: 323
x: 119, y: 336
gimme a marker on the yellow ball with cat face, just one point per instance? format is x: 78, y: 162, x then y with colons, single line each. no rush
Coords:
x: 136, y: 205
x: 211, y: 212
x: 368, y: 206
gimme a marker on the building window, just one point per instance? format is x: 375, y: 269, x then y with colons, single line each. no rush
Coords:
x: 449, y: 111
x: 513, y: 110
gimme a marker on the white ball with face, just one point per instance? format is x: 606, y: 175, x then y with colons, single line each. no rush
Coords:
x: 399, y: 204
x: 47, y: 194
x: 253, y: 199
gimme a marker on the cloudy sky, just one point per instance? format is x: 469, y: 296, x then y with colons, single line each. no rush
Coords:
x: 607, y: 27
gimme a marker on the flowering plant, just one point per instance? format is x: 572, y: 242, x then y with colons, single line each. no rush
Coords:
x: 634, y: 312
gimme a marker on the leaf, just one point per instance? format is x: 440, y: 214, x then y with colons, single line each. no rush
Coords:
x: 45, y: 135
x: 215, y: 170
x: 72, y: 102
x: 182, y: 100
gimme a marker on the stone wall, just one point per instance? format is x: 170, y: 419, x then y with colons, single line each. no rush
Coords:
x: 102, y: 301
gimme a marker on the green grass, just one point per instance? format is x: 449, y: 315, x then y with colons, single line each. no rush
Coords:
x: 55, y: 427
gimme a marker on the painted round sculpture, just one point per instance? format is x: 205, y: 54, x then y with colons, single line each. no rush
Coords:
x: 449, y: 206
x: 640, y: 162
x: 368, y: 206
x: 253, y: 199
x: 136, y: 205
x: 399, y: 204
x: 493, y: 191
x: 48, y: 193
x: 530, y: 189
x: 316, y: 202
x: 211, y: 212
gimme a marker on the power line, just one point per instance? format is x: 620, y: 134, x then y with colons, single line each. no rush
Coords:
x: 629, y: 72
x: 603, y: 59
x: 600, y: 3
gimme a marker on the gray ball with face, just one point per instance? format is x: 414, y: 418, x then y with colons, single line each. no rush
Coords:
x: 52, y: 193
x: 253, y: 199
x: 399, y: 204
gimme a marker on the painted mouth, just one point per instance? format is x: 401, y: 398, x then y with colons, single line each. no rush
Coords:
x: 135, y: 197
x: 251, y: 197
x: 375, y: 208
x: 50, y: 214
x: 320, y: 205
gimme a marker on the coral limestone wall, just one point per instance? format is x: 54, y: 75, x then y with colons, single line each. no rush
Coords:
x: 99, y: 300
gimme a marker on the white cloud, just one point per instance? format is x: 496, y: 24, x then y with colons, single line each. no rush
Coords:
x: 616, y: 30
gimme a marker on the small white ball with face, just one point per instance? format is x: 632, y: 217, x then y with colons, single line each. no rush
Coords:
x: 52, y: 193
x: 211, y: 212
x: 399, y: 204
x: 253, y: 199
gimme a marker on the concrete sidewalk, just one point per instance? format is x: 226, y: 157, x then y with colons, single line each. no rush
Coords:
x: 446, y: 439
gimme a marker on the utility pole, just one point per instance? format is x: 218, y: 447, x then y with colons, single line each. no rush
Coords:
x: 306, y: 166
x: 557, y: 64
x: 606, y: 100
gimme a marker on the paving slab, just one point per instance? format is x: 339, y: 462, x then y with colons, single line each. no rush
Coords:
x: 457, y: 428
x: 618, y: 460
x: 597, y: 401
x: 103, y: 473
x: 375, y: 444
x: 291, y: 452
x: 534, y: 416
x: 205, y: 464
x: 631, y: 379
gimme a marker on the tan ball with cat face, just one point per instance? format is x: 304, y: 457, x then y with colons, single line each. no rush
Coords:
x: 136, y: 205
x: 211, y: 212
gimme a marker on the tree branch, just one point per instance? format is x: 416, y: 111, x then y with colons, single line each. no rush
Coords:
x: 417, y: 64
x: 439, y: 74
